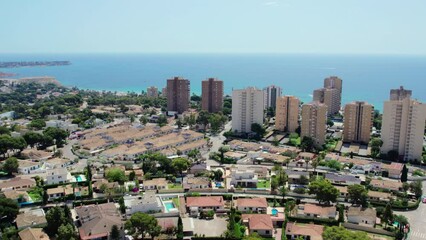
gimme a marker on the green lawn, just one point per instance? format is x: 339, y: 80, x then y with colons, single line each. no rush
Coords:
x: 36, y: 197
x: 263, y: 183
x: 176, y: 202
x: 174, y: 186
x: 295, y: 141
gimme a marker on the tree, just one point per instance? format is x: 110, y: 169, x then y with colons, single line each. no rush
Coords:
x: 393, y: 155
x: 37, y: 124
x: 142, y: 224
x: 404, y: 174
x: 217, y: 175
x: 375, y: 144
x: 222, y: 151
x: 116, y: 175
x: 341, y: 209
x: 9, y: 209
x: 283, y: 228
x: 274, y: 183
x: 33, y: 138
x: 341, y: 233
x: 325, y: 192
x: 11, y: 166
x: 417, y: 188
x: 179, y: 234
x: 179, y: 123
x: 66, y: 232
x: 122, y: 205
x: 307, y: 144
x: 387, y: 216
x: 4, y: 130
x: 258, y: 129
x: 132, y: 176
x: 56, y: 134
x: 162, y: 120
x: 143, y: 120
x: 180, y: 165
x: 358, y: 194
x: 115, y: 233
x: 55, y: 218
x: 400, y: 219
x: 253, y: 236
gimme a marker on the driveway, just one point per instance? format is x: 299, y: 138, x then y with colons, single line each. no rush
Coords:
x: 217, y: 141
x: 208, y: 228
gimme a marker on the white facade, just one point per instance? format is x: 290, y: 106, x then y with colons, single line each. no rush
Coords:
x: 247, y: 108
x: 271, y: 93
x: 57, y: 176
x: 147, y: 203
x: 28, y: 167
x: 403, y: 126
x: 244, y: 178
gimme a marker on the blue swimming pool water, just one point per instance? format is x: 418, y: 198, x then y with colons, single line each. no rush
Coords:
x: 78, y: 178
x: 169, y: 205
x: 274, y: 211
x: 218, y: 184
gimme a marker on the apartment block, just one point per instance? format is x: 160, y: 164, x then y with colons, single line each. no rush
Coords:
x: 314, y: 120
x: 287, y: 114
x: 403, y: 125
x: 358, y: 121
x: 152, y: 92
x: 271, y: 94
x: 330, y: 94
x: 212, y: 95
x: 178, y: 94
x: 164, y: 92
x: 247, y: 108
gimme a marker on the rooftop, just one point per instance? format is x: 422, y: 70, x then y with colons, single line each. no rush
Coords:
x: 33, y: 234
x: 207, y: 201
x: 252, y: 202
x: 258, y: 221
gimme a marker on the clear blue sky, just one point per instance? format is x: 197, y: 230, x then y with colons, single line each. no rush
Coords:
x: 219, y: 26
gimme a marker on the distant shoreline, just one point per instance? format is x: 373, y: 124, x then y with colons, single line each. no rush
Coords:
x: 34, y: 64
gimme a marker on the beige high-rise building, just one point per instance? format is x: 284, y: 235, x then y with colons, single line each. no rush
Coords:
x: 247, y: 108
x: 330, y: 94
x: 287, y: 114
x: 271, y: 94
x: 314, y: 120
x: 403, y: 125
x: 164, y: 92
x: 152, y: 92
x: 212, y: 95
x: 358, y: 121
x: 178, y: 94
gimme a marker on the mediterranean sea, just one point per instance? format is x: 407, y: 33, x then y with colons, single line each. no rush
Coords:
x: 365, y: 77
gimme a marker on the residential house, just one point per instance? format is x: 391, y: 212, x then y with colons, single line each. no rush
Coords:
x: 256, y: 205
x: 138, y: 173
x: 362, y: 216
x: 376, y: 196
x: 17, y: 183
x: 198, y: 168
x: 297, y: 177
x: 386, y: 184
x: 57, y: 163
x: 342, y: 179
x: 306, y: 156
x: 244, y: 146
x: 394, y: 170
x: 155, y: 184
x: 29, y: 167
x: 234, y: 155
x: 343, y: 192
x: 55, y: 193
x: 58, y: 176
x: 198, y: 204
x: 259, y: 223
x: 19, y: 196
x: 244, y: 178
x: 34, y: 154
x: 148, y: 203
x: 316, y: 211
x: 273, y: 157
x: 97, y: 220
x: 33, y: 234
x: 97, y: 186
x: 191, y: 182
x: 306, y: 231
x: 31, y: 218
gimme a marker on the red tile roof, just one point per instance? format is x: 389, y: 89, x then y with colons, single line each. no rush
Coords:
x: 212, y: 201
x: 252, y: 202
x: 258, y: 221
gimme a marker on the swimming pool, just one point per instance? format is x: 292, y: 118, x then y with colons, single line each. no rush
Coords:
x: 80, y: 178
x: 274, y: 212
x: 169, y: 206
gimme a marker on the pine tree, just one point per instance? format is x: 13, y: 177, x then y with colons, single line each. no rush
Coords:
x: 179, y: 234
x: 404, y: 174
x: 387, y: 214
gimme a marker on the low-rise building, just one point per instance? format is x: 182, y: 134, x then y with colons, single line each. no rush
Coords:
x: 55, y: 193
x: 394, y: 170
x: 259, y: 223
x: 342, y: 179
x: 97, y: 220
x: 386, y: 184
x: 256, y: 205
x: 244, y: 178
x: 297, y: 177
x: 379, y: 196
x: 234, y: 155
x: 306, y: 156
x: 29, y: 167
x: 58, y: 176
x: 191, y: 182
x: 198, y: 204
x: 32, y: 218
x: 19, y: 196
x: 33, y: 234
x: 155, y: 184
x: 316, y: 211
x: 362, y: 216
x: 343, y: 192
x: 57, y: 163
x: 198, y: 168
x: 148, y: 203
x: 307, y: 231
x: 17, y: 183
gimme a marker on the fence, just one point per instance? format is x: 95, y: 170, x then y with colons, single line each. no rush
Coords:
x: 367, y: 229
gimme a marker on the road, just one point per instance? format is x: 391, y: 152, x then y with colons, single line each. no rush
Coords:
x: 217, y: 141
x: 417, y: 220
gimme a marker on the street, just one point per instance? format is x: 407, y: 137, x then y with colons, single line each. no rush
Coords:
x: 217, y: 141
x: 417, y: 220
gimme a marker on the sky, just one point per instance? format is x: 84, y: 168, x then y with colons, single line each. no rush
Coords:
x: 213, y: 26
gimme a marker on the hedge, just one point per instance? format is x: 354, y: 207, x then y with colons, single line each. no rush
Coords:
x: 411, y: 206
x: 88, y: 202
x: 322, y: 221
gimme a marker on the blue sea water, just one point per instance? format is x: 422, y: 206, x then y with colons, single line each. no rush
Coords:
x: 365, y: 77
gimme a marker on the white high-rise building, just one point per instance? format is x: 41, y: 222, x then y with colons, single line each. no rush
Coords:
x: 271, y: 93
x: 247, y: 108
x: 403, y: 125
